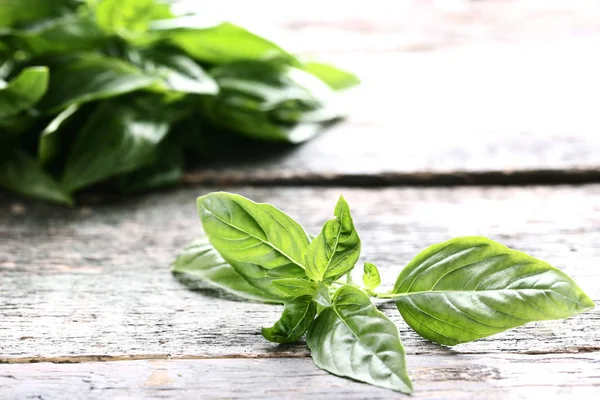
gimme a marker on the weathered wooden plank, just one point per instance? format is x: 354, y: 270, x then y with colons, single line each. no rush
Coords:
x: 460, y: 115
x: 93, y: 282
x: 434, y: 377
x: 453, y: 92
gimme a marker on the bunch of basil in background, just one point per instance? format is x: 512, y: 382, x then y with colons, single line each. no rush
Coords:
x: 464, y: 289
x: 123, y: 91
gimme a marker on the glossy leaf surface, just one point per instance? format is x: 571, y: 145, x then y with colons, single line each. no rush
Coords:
x: 472, y: 287
x: 179, y: 72
x: 336, y: 249
x: 119, y: 137
x: 87, y: 77
x: 354, y: 339
x: 258, y: 240
x: 294, y: 322
x: 270, y: 101
x: 23, y: 91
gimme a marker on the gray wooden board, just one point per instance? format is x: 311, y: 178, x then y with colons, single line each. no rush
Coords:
x: 93, y: 283
x: 496, y: 92
x: 442, y: 377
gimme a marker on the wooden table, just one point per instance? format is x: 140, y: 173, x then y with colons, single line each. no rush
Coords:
x: 457, y: 108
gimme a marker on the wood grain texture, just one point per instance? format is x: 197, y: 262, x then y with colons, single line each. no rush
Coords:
x: 442, y: 377
x: 93, y: 283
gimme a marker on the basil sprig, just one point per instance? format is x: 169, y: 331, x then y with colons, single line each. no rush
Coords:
x: 454, y: 292
x: 123, y: 92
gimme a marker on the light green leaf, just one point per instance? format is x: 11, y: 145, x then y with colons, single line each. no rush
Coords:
x: 258, y: 240
x: 130, y: 18
x: 218, y: 44
x: 321, y: 295
x: 371, y: 277
x: 294, y: 322
x: 22, y: 92
x: 294, y: 287
x: 355, y: 340
x: 21, y: 173
x: 472, y: 287
x: 199, y: 260
x: 86, y: 77
x: 120, y: 136
x: 336, y: 78
x: 336, y: 249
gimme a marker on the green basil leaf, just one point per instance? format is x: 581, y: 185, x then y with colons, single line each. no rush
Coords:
x: 321, y: 295
x: 70, y: 33
x: 294, y: 322
x: 355, y: 340
x: 371, y: 277
x: 180, y: 73
x: 336, y: 78
x: 336, y: 249
x: 218, y: 44
x: 245, y: 231
x: 258, y: 240
x: 472, y: 287
x: 21, y: 173
x: 119, y: 137
x: 86, y: 77
x: 130, y: 18
x: 16, y: 12
x: 199, y: 260
x: 51, y: 139
x: 22, y: 92
x: 294, y: 287
x: 270, y: 101
x: 166, y: 171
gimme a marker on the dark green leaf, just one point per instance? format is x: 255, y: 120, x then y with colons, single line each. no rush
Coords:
x: 270, y: 101
x: 294, y: 287
x: 218, y: 44
x: 258, y: 240
x: 199, y: 260
x: 295, y: 320
x: 371, y: 277
x: 472, y: 287
x: 86, y: 77
x: 16, y: 12
x: 71, y: 33
x: 21, y: 173
x: 120, y: 136
x: 355, y: 340
x: 22, y: 92
x: 51, y: 140
x: 334, y: 77
x: 180, y: 73
x: 336, y: 249
x: 166, y: 171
